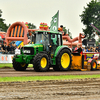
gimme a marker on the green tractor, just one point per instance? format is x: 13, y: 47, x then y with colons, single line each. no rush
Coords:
x: 47, y: 51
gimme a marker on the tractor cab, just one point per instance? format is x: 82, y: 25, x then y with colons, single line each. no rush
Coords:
x: 50, y: 40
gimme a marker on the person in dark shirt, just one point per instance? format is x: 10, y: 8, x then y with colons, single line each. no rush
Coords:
x: 79, y: 49
x: 4, y: 47
x: 97, y: 49
x: 9, y: 48
x: 13, y: 47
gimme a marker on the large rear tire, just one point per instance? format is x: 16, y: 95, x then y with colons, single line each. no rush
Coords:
x: 63, y: 61
x: 41, y: 62
x: 18, y: 66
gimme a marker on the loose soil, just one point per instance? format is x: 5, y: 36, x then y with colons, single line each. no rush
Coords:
x: 80, y: 89
x: 77, y: 89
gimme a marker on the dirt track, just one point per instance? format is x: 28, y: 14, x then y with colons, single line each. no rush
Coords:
x: 86, y: 89
x: 77, y: 89
x: 7, y: 72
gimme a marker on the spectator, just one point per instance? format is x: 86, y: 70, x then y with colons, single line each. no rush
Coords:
x: 88, y: 49
x: 4, y: 46
x: 13, y: 47
x: 93, y: 50
x: 79, y: 49
x: 97, y: 49
x: 9, y: 49
x: 83, y: 48
x: 1, y: 49
x: 60, y: 29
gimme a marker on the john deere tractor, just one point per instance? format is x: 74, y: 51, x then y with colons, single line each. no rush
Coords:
x: 45, y: 52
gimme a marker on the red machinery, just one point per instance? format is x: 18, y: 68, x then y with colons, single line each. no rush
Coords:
x: 72, y: 42
x: 18, y: 32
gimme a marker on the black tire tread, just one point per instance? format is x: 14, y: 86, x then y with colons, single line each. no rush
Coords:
x: 36, y: 62
x: 18, y: 67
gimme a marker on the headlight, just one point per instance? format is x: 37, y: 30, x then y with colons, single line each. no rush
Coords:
x: 26, y: 51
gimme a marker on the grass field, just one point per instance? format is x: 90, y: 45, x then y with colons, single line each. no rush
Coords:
x: 41, y: 78
x: 35, y: 78
x: 10, y: 65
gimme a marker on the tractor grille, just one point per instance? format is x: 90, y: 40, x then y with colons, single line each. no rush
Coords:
x: 17, y: 31
x: 28, y: 49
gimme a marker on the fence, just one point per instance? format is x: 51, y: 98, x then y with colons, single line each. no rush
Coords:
x: 6, y: 58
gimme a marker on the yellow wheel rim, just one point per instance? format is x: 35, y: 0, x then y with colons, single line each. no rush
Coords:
x: 22, y: 65
x: 94, y: 65
x: 65, y: 60
x: 43, y: 62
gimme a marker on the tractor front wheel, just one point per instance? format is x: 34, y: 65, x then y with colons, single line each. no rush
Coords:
x: 18, y: 66
x: 41, y: 62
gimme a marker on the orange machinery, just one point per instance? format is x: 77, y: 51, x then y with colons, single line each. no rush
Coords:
x: 18, y: 32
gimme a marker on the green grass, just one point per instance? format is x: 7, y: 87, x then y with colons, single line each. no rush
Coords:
x: 4, y: 64
x: 10, y: 65
x: 41, y: 78
x: 35, y: 78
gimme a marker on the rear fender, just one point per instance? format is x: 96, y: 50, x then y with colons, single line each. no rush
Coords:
x: 59, y: 48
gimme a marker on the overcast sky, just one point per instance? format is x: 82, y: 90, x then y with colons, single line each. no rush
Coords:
x: 36, y: 11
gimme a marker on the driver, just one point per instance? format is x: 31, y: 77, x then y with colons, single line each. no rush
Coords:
x: 78, y: 49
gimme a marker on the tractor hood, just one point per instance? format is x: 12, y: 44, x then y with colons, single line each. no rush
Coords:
x: 28, y: 52
x: 33, y: 49
x: 34, y: 45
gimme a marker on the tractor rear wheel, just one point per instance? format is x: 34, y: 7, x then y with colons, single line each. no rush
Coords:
x: 41, y: 62
x: 18, y: 66
x: 63, y: 61
x: 93, y: 65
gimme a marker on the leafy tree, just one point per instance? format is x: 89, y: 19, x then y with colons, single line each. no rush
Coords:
x: 91, y: 15
x: 3, y: 26
x: 31, y: 26
x: 67, y: 32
